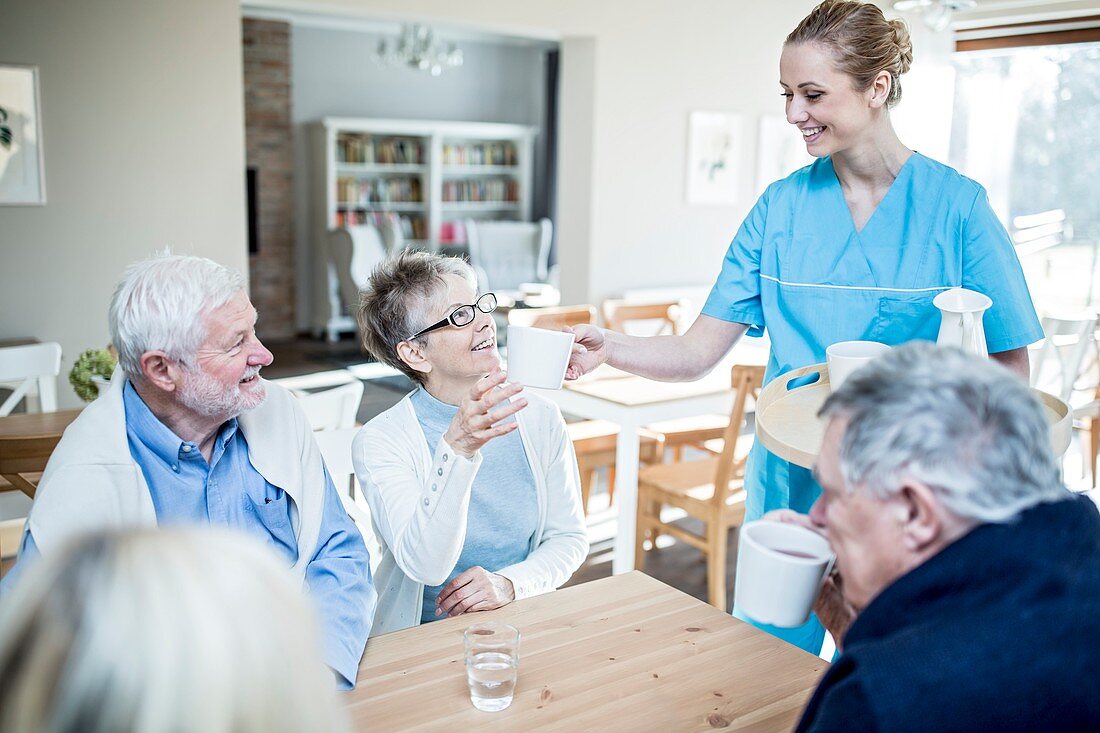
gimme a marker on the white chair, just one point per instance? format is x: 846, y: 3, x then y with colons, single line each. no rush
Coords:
x: 1056, y: 363
x: 32, y: 370
x: 350, y: 254
x: 335, y: 446
x: 508, y: 253
x: 331, y: 409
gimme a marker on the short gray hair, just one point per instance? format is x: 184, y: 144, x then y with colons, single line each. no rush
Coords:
x: 966, y: 427
x: 218, y: 638
x: 396, y: 301
x: 160, y: 304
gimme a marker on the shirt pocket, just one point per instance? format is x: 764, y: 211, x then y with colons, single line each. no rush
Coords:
x: 903, y: 318
x: 274, y: 516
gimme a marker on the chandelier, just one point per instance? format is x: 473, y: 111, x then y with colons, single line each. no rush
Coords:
x: 937, y: 13
x: 418, y: 49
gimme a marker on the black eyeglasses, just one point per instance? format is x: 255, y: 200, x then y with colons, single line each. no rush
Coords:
x: 463, y: 315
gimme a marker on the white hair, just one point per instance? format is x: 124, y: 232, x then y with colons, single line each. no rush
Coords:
x: 160, y: 304
x: 966, y: 427
x: 194, y: 630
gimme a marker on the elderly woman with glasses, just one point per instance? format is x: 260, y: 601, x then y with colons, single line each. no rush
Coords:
x: 472, y: 483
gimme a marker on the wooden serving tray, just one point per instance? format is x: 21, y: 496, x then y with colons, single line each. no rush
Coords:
x: 788, y: 426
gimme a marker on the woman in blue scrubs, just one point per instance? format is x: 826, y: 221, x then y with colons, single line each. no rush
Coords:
x: 853, y: 246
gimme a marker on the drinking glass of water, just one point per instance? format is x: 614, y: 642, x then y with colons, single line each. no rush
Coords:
x: 492, y: 662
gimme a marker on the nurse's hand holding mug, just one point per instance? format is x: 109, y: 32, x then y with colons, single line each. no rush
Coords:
x: 665, y: 358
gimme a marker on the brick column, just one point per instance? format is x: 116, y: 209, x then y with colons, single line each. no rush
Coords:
x: 269, y: 150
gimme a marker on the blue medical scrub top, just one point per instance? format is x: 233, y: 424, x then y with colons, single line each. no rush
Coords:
x: 798, y: 268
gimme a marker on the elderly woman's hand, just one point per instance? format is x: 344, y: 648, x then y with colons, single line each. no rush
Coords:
x: 475, y: 589
x: 478, y: 418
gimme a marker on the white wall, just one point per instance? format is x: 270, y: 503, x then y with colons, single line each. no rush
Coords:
x: 143, y: 133
x: 333, y: 75
x: 652, y: 63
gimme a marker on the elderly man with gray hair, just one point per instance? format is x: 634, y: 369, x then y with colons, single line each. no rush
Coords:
x: 967, y: 596
x: 190, y: 433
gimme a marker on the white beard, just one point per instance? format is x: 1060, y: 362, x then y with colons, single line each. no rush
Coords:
x: 206, y: 396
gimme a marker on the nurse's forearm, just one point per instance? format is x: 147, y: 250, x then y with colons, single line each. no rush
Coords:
x: 675, y: 358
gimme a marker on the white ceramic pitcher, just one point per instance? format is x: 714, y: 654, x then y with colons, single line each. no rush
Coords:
x: 961, y: 313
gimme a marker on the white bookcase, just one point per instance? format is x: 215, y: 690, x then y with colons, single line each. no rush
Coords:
x: 428, y: 174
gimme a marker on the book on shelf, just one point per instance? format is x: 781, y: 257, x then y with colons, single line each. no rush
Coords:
x: 411, y: 227
x: 497, y: 190
x: 378, y: 190
x: 486, y: 153
x: 368, y: 149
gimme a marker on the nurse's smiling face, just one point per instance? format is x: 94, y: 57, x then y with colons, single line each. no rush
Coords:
x: 822, y: 101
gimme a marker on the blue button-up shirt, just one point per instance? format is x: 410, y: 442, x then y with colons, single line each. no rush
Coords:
x: 229, y: 491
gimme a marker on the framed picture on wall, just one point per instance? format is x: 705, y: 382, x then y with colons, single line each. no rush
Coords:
x: 714, y: 152
x: 22, y: 175
x: 780, y: 151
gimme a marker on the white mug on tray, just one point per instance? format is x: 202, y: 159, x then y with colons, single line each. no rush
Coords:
x: 845, y: 357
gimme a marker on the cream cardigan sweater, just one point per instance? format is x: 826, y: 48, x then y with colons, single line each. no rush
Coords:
x: 418, y: 507
x: 92, y: 482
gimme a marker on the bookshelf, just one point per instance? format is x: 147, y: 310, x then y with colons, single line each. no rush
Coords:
x: 427, y: 176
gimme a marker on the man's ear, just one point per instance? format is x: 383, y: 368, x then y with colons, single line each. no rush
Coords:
x: 159, y: 370
x: 880, y: 90
x: 920, y: 516
x: 413, y: 355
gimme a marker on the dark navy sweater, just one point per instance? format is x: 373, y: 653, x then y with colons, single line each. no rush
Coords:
x: 1000, y: 632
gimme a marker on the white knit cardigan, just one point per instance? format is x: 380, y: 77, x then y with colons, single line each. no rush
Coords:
x: 419, y: 506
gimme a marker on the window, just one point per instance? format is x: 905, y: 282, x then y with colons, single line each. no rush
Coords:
x: 1027, y: 127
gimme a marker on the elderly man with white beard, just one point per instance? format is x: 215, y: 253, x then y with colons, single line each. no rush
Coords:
x: 190, y: 434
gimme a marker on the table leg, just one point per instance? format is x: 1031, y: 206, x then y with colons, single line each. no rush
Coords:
x: 626, y: 497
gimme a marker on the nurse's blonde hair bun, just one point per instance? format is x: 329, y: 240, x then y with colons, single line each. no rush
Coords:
x: 904, y: 44
x: 862, y: 41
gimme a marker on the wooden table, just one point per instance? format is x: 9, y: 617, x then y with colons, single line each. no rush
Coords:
x: 26, y: 442
x: 626, y: 653
x: 632, y: 402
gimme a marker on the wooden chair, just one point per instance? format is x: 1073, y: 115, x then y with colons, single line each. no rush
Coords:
x: 622, y: 316
x: 593, y: 440
x: 711, y: 490
x: 654, y: 319
x: 552, y: 318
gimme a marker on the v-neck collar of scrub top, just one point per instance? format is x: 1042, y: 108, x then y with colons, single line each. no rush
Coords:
x: 884, y: 205
x: 885, y: 210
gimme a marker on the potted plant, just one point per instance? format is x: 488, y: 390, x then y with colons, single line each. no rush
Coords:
x: 91, y: 373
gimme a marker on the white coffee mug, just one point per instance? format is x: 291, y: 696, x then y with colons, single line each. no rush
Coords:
x: 780, y: 570
x: 538, y: 357
x: 845, y: 357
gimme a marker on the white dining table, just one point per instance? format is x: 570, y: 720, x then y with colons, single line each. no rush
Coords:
x: 633, y: 402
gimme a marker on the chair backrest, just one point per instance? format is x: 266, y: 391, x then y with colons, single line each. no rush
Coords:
x: 649, y: 319
x: 747, y: 382
x: 508, y: 253
x: 552, y: 318
x: 332, y: 409
x: 353, y: 252
x: 29, y: 367
x: 335, y: 447
x: 1057, y: 363
x: 1033, y: 233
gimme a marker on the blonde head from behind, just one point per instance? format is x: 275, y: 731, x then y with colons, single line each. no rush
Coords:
x: 862, y: 41
x: 184, y: 630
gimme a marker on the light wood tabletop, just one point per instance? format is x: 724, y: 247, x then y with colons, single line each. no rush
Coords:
x: 626, y: 653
